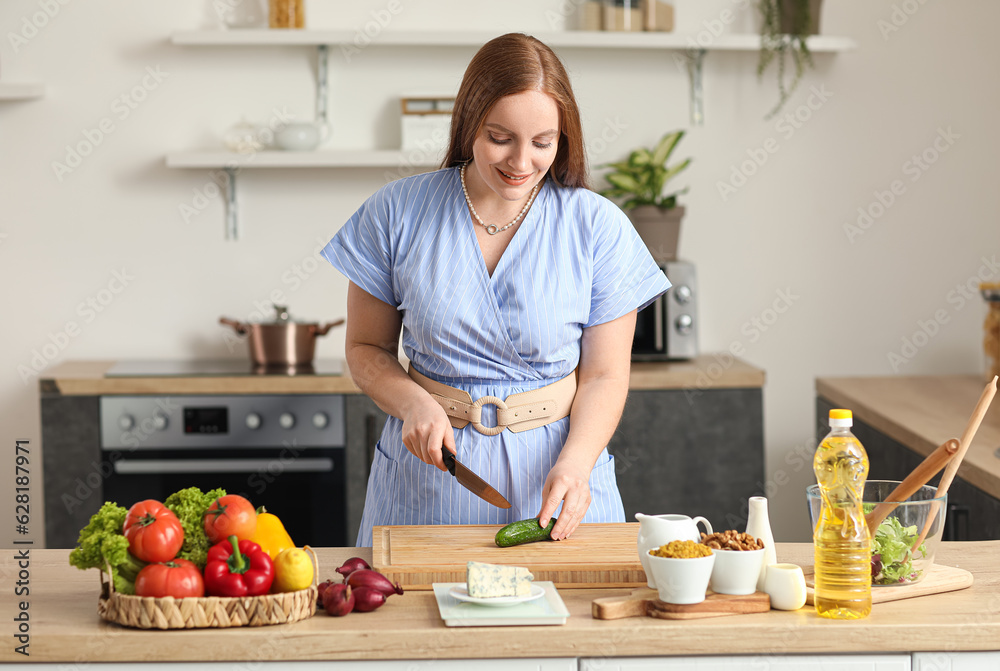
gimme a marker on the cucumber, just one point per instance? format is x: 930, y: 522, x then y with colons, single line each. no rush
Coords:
x: 524, y: 531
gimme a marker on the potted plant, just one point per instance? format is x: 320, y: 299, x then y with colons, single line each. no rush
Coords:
x: 785, y: 27
x: 638, y: 185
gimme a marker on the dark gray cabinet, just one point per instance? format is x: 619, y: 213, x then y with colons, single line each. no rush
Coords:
x: 674, y: 452
x: 693, y: 454
x: 973, y: 515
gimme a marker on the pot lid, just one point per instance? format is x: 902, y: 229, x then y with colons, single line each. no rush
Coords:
x: 282, y: 316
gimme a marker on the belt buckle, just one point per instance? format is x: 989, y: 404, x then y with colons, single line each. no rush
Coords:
x: 478, y: 426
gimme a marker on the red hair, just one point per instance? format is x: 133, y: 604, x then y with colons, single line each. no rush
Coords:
x: 507, y: 65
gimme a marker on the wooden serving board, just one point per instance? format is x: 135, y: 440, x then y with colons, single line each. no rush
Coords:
x: 595, y: 556
x: 940, y: 579
x: 643, y: 602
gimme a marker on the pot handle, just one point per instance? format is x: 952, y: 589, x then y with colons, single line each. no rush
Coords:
x: 322, y: 330
x: 241, y: 329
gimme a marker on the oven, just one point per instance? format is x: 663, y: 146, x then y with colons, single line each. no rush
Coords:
x: 283, y: 452
x: 667, y: 328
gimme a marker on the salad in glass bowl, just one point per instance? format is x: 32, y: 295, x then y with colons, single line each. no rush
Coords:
x: 897, y: 559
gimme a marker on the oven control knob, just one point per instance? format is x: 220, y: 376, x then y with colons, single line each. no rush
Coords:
x: 683, y: 324
x: 253, y: 421
x: 320, y: 420
x: 159, y: 422
x: 682, y: 294
x: 286, y: 420
x: 125, y: 422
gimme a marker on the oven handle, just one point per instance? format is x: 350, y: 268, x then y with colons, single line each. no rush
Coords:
x: 147, y: 466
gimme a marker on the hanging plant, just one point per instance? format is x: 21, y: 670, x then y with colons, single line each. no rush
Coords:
x: 785, y: 28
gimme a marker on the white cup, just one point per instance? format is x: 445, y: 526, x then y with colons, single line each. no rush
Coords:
x: 786, y: 586
x: 681, y: 581
x: 736, y: 571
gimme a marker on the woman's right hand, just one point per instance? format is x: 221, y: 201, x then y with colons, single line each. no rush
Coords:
x: 426, y: 428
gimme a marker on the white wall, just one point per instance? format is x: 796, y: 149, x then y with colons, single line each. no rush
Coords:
x: 63, y: 239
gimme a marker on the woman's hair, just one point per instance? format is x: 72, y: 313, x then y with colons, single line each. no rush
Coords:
x: 507, y: 65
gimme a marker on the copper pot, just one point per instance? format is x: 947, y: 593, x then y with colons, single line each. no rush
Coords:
x: 283, y: 343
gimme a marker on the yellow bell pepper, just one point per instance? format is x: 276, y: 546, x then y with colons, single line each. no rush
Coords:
x: 271, y: 535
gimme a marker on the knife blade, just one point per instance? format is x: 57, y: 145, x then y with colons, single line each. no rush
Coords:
x: 473, y: 482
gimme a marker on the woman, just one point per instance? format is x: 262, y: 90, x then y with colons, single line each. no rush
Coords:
x: 505, y: 275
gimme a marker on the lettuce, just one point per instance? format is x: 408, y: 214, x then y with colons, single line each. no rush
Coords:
x: 892, y: 543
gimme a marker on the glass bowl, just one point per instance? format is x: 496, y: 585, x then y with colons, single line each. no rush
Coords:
x: 895, y: 561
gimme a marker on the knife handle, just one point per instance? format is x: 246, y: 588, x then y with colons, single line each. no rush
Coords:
x: 449, y: 460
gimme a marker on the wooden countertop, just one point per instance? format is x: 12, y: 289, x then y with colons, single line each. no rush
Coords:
x: 64, y: 626
x: 86, y: 378
x: 922, y: 413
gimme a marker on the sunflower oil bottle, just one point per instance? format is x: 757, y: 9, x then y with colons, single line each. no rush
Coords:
x: 841, y: 540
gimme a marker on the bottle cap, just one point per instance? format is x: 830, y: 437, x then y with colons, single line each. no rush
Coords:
x: 840, y: 418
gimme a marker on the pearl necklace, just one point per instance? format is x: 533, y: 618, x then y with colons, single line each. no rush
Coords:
x: 492, y: 229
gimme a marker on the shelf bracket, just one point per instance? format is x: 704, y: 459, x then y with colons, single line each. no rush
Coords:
x: 322, y: 83
x: 232, y: 213
x: 695, y: 60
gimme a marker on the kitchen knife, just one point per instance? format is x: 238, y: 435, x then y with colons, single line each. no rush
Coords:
x: 473, y: 482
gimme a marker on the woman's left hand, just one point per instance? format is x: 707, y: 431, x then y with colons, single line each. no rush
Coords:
x: 568, y: 484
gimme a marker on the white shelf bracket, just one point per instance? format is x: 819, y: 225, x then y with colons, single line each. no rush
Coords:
x: 322, y: 82
x: 695, y: 60
x: 232, y: 213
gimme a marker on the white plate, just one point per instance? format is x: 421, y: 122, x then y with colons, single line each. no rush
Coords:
x: 462, y: 594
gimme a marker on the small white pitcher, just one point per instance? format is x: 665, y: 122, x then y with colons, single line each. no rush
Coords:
x: 657, y: 530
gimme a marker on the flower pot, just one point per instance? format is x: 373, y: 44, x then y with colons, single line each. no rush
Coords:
x: 792, y: 21
x: 659, y: 229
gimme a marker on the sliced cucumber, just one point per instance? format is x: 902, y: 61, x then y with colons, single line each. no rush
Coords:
x: 524, y: 531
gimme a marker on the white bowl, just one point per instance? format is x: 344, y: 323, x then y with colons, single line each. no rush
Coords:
x: 681, y: 581
x: 298, y: 137
x: 736, y: 571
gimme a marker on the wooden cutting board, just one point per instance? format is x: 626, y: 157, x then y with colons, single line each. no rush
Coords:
x: 595, y: 556
x: 940, y: 579
x: 643, y: 602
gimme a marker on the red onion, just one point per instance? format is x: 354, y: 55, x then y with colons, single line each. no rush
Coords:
x: 375, y: 580
x: 367, y: 599
x: 321, y: 588
x: 338, y: 600
x: 351, y: 565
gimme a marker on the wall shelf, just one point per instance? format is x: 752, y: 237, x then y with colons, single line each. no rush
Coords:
x: 570, y: 39
x: 343, y: 158
x: 21, y: 90
x: 693, y: 52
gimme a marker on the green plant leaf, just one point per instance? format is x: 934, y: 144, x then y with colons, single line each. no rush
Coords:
x: 666, y: 147
x: 622, y: 181
x: 639, y: 157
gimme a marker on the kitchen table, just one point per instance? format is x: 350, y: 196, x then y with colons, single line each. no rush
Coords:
x: 63, y: 626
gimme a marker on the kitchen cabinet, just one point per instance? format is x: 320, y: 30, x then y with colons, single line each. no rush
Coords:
x: 956, y: 661
x: 900, y: 420
x: 693, y: 454
x: 754, y: 663
x: 690, y: 440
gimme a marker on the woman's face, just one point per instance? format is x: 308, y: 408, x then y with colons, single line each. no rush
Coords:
x: 517, y: 144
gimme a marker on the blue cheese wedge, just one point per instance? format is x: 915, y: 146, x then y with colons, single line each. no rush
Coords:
x: 489, y: 580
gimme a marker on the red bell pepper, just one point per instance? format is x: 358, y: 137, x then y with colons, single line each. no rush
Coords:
x: 238, y: 568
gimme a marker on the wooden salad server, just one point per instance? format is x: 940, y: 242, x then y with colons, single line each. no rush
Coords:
x: 919, y: 477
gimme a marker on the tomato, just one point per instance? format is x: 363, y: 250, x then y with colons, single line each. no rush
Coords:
x: 230, y: 515
x: 177, y: 578
x: 153, y: 531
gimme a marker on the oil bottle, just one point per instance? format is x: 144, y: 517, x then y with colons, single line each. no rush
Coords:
x: 841, y: 540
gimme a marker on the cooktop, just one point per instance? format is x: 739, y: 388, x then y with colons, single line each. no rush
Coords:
x: 218, y: 368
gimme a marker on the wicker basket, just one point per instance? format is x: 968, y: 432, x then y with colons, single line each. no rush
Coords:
x: 147, y: 612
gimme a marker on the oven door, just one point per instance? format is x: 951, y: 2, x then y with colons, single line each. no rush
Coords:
x: 305, y: 487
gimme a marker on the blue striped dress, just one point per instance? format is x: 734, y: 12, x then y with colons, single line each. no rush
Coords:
x: 575, y: 261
